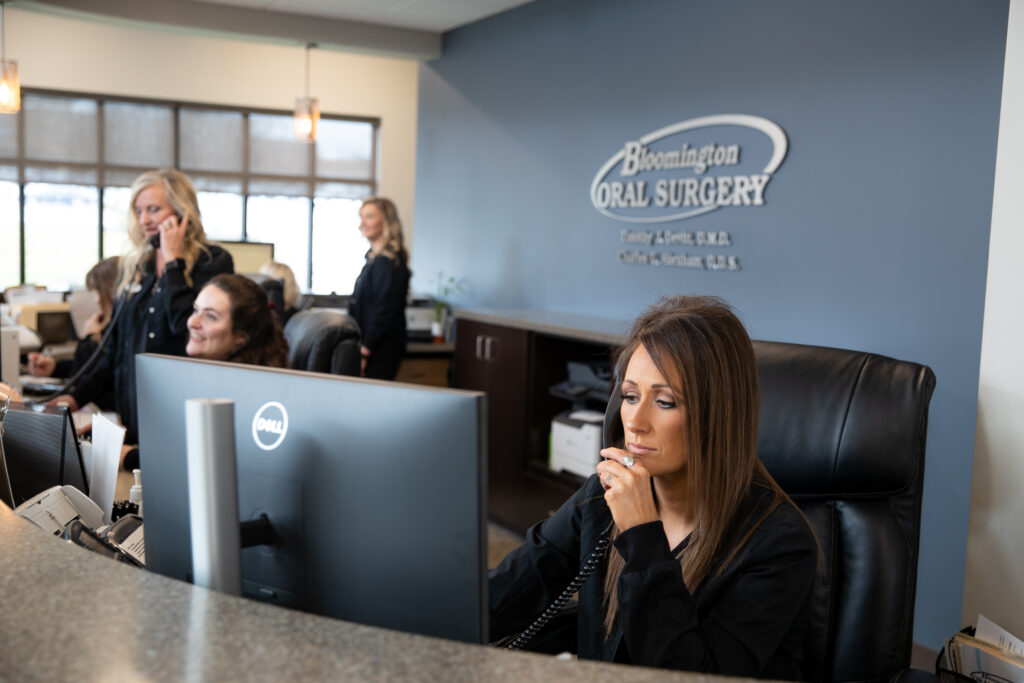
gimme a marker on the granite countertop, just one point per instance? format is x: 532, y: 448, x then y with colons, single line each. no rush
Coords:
x: 569, y: 325
x: 70, y: 614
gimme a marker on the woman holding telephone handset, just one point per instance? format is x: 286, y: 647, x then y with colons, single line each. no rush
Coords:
x: 710, y: 565
x: 168, y: 262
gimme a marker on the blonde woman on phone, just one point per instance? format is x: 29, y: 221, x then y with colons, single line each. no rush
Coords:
x: 168, y: 262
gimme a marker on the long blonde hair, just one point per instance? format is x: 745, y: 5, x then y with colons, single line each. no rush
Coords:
x: 284, y: 273
x: 700, y: 346
x: 394, y: 242
x: 181, y: 195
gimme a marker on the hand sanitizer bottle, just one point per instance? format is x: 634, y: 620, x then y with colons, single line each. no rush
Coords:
x: 135, y: 493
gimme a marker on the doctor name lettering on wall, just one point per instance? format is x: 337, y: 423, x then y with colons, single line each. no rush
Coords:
x: 684, y: 170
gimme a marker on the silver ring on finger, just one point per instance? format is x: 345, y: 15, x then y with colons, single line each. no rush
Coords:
x: 608, y: 479
x: 627, y: 460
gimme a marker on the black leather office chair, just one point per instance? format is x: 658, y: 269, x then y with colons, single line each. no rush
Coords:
x: 323, y: 341
x: 843, y: 432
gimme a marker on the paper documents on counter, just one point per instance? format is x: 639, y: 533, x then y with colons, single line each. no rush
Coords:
x: 991, y: 654
x: 1000, y: 637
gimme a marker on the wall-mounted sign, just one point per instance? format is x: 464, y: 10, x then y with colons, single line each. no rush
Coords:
x: 690, y: 168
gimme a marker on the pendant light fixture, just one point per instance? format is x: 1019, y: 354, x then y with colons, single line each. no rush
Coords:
x: 307, y: 109
x: 10, y: 88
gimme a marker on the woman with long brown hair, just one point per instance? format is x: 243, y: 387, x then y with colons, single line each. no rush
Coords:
x: 710, y: 565
x: 232, y: 321
x: 101, y: 280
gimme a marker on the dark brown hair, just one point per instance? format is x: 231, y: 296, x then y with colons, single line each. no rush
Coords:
x: 251, y: 315
x: 702, y: 349
x: 102, y: 279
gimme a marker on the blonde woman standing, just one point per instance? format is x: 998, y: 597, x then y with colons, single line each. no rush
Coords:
x: 168, y: 262
x: 378, y: 298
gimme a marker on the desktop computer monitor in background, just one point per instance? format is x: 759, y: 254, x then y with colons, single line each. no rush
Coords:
x: 376, y: 491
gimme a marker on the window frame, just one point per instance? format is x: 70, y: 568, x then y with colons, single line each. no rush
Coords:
x: 311, y: 179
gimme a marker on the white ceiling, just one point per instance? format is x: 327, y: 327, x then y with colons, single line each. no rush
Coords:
x: 424, y: 15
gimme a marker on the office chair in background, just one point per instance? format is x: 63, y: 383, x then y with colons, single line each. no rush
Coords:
x: 322, y: 340
x: 843, y: 433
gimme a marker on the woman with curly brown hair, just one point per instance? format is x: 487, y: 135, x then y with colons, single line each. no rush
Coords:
x: 233, y: 322
x: 710, y: 565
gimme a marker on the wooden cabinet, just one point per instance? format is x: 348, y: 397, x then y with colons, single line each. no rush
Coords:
x: 515, y: 368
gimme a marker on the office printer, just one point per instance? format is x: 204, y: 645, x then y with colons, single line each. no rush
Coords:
x: 576, y: 433
x: 420, y: 312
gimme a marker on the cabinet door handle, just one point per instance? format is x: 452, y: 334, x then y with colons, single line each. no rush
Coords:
x: 479, y: 346
x: 488, y: 348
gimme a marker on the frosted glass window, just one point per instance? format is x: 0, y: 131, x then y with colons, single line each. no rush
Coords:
x: 116, y: 203
x: 117, y: 178
x: 138, y: 134
x: 343, y: 190
x: 273, y: 148
x: 344, y: 149
x: 60, y: 128
x: 222, y: 215
x: 71, y: 175
x: 61, y: 225
x: 211, y: 140
x: 215, y: 183
x: 284, y: 221
x: 339, y: 249
x: 288, y: 188
x: 8, y: 135
x: 10, y: 236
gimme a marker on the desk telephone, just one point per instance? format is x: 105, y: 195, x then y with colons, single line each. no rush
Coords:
x: 67, y: 512
x: 612, y: 436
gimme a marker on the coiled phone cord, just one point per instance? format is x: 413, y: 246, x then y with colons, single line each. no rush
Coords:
x: 553, y: 609
x: 87, y: 365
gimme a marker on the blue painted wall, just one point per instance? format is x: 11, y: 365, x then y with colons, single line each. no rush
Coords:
x: 875, y: 230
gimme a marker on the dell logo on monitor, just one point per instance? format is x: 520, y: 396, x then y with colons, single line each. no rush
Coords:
x: 270, y: 425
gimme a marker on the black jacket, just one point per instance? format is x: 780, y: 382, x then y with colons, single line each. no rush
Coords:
x: 378, y: 306
x: 746, y: 618
x: 151, y: 320
x: 69, y: 366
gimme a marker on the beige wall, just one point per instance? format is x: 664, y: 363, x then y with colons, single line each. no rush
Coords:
x: 105, y: 58
x: 994, y: 581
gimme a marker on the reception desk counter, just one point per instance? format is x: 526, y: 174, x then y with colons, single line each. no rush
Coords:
x: 70, y: 614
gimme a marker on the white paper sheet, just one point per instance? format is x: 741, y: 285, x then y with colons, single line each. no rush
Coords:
x: 992, y: 633
x: 107, y: 439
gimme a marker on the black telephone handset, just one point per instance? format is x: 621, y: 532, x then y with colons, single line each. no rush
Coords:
x: 612, y: 436
x: 154, y: 241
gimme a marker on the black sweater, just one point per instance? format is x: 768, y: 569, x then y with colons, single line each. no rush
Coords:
x: 152, y: 320
x: 378, y: 306
x: 745, y: 619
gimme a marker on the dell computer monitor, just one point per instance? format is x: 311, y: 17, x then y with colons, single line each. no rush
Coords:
x: 41, y: 450
x: 376, y: 491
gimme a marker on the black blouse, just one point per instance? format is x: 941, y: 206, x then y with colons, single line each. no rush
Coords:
x: 747, y: 618
x: 378, y: 306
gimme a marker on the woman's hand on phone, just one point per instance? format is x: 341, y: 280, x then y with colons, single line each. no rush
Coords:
x: 172, y: 238
x: 627, y: 490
